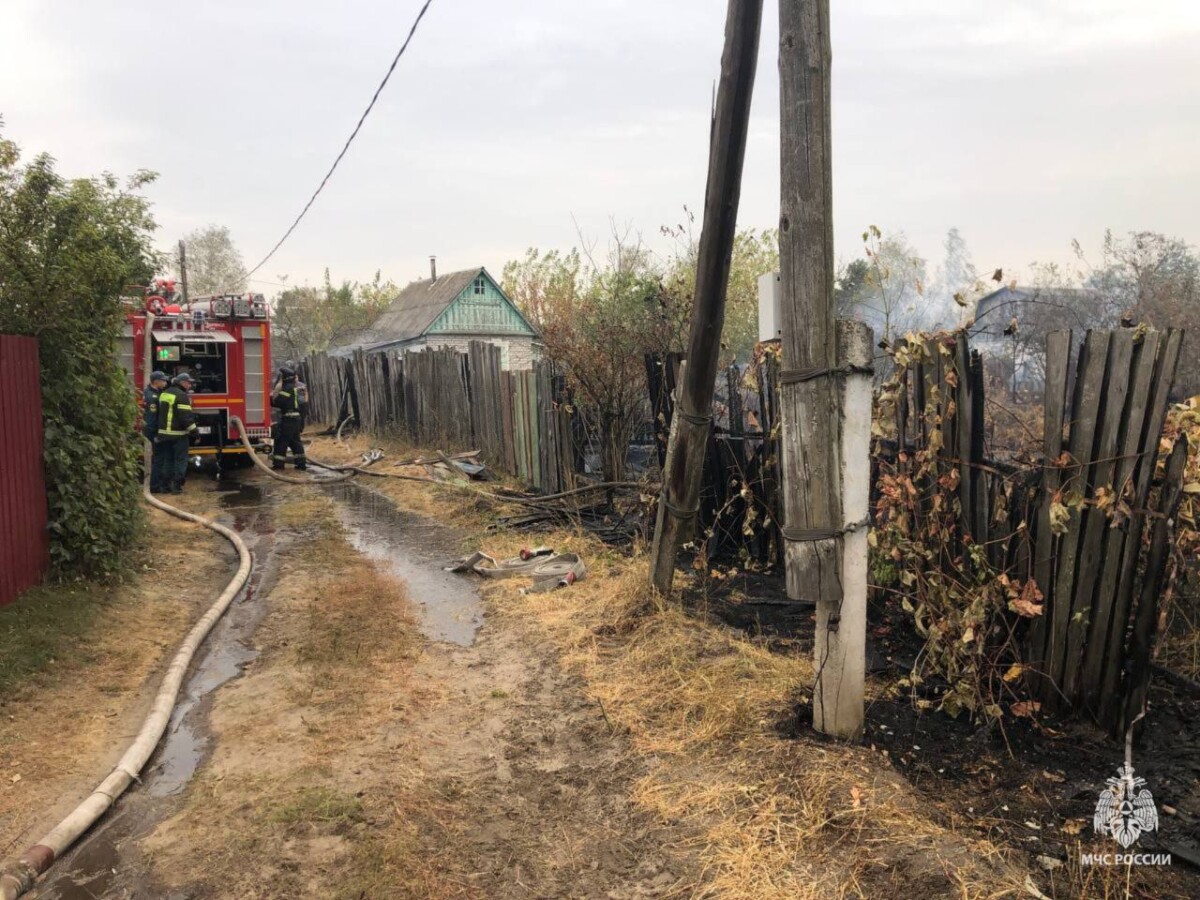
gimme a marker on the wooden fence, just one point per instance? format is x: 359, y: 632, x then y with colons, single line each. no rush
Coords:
x: 24, y: 539
x: 1087, y: 522
x: 446, y: 399
x: 739, y: 491
x: 1072, y: 522
x: 1101, y: 589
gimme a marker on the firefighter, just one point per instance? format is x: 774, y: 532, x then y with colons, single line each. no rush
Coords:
x: 176, y: 428
x: 287, y: 433
x: 158, y: 381
x: 301, y: 392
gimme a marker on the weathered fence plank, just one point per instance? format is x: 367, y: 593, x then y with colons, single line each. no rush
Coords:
x: 1143, y: 477
x: 1141, y: 640
x: 448, y: 399
x: 1058, y: 360
x: 1133, y: 417
x: 1085, y: 407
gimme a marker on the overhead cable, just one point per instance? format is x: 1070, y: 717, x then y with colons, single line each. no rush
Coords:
x: 349, y: 140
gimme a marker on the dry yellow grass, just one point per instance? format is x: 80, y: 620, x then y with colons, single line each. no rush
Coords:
x: 701, y: 704
x: 308, y: 792
x: 101, y: 683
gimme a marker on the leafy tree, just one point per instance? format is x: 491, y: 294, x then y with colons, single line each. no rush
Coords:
x: 1152, y: 278
x: 68, y: 247
x: 893, y: 299
x: 311, y: 319
x: 214, y: 264
x: 849, y: 286
x: 755, y: 253
x: 597, y: 323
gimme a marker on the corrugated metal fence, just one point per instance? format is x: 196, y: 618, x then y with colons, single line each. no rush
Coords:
x: 443, y: 399
x: 24, y: 540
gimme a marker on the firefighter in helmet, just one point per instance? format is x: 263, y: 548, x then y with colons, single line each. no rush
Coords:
x: 287, y: 433
x: 176, y: 428
x: 158, y: 381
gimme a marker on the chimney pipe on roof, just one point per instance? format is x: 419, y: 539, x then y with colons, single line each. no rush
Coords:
x: 433, y: 267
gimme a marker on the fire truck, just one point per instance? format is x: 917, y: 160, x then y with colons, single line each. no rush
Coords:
x: 224, y: 343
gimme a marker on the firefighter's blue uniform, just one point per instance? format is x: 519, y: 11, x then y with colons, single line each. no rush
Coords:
x: 176, y: 426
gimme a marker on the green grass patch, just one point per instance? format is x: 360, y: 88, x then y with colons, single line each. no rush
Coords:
x: 43, y: 627
x: 315, y: 806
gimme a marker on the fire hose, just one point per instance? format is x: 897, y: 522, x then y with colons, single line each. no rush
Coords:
x: 548, y: 570
x: 19, y: 876
x: 290, y: 479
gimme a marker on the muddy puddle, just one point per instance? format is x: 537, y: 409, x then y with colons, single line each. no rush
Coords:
x: 106, y: 863
x: 414, y: 549
x: 97, y: 866
x: 230, y: 645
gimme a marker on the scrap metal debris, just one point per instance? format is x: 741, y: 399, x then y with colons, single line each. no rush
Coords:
x: 549, y: 570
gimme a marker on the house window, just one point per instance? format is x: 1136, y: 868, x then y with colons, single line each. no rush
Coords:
x: 480, y: 287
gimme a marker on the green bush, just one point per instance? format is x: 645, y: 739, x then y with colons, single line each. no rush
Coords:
x: 68, y: 248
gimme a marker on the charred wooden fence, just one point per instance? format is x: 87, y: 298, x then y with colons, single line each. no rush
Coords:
x: 739, y: 512
x: 1087, y: 520
x: 1102, y: 570
x: 447, y: 399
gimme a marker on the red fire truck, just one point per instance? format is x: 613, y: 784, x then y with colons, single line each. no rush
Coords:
x: 224, y: 343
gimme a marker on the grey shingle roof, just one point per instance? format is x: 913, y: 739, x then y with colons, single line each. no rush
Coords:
x: 414, y: 309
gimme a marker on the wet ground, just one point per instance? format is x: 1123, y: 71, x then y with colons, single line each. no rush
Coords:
x: 97, y: 866
x: 414, y: 550
x: 106, y: 863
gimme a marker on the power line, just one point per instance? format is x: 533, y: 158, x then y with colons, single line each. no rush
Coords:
x: 349, y: 140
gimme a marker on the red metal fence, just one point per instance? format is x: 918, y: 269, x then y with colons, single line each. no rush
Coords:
x: 24, y: 540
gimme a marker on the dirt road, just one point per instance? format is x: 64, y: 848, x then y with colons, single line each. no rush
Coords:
x: 366, y: 725
x: 342, y: 740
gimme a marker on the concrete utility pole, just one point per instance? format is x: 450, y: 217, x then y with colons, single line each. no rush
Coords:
x: 682, y: 471
x: 825, y: 385
x: 183, y: 271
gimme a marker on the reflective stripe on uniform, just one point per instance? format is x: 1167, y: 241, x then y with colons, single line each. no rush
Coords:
x: 188, y: 407
x: 168, y: 402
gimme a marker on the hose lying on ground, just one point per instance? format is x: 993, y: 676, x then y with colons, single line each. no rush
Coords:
x: 19, y: 876
x: 290, y: 479
x: 537, y: 502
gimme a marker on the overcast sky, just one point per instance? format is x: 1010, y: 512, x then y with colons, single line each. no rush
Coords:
x: 1025, y: 123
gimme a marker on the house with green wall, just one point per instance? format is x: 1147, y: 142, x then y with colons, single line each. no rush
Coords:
x: 451, y: 311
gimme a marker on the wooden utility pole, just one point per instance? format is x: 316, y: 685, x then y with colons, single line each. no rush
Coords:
x: 682, y: 471
x: 183, y: 271
x: 825, y: 384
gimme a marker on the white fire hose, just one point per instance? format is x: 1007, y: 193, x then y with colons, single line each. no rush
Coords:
x: 549, y: 571
x: 19, y: 876
x: 290, y: 479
